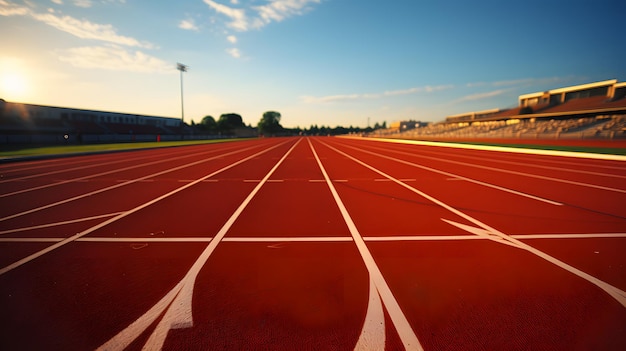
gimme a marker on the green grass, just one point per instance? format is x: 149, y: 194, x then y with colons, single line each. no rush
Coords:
x: 590, y: 149
x: 25, y: 151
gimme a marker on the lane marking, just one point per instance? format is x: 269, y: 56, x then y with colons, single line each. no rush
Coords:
x: 124, y: 214
x: 373, y: 333
x: 65, y: 170
x: 502, y: 238
x: 160, y: 160
x: 523, y: 174
x: 48, y: 225
x: 275, y: 180
x: 179, y: 309
x: 487, y: 231
x: 320, y: 239
x: 562, y: 169
x: 454, y: 177
x: 401, y: 324
x: 120, y: 185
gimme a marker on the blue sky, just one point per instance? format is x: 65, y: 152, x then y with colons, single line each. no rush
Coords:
x: 325, y: 62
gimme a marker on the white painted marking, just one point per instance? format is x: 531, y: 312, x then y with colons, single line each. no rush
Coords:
x: 251, y: 180
x: 179, y: 313
x: 421, y: 238
x: 454, y: 177
x: 569, y: 236
x: 275, y: 180
x: 121, y: 215
x: 616, y: 293
x: 116, y: 170
x: 373, y: 332
x: 119, y: 185
x: 339, y: 180
x: 408, y: 179
x: 406, y: 333
x: 320, y: 239
x: 17, y: 230
x: 317, y: 181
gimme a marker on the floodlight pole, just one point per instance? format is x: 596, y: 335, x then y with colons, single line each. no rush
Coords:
x: 182, y: 68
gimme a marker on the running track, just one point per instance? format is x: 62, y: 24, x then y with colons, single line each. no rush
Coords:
x: 313, y: 244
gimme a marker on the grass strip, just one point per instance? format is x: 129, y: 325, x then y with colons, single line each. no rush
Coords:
x: 26, y: 151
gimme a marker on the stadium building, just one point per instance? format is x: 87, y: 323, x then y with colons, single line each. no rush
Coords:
x: 27, y: 123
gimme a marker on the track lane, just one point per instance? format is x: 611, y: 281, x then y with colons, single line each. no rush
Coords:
x: 456, y: 294
x: 611, y: 305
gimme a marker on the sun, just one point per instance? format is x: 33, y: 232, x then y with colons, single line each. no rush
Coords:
x: 14, y: 83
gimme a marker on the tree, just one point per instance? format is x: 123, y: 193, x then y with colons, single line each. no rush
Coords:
x: 230, y: 121
x: 208, y: 123
x: 270, y: 123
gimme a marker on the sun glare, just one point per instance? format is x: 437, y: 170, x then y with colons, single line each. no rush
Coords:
x: 13, y: 83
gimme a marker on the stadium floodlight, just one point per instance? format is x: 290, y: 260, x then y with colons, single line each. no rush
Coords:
x: 182, y: 68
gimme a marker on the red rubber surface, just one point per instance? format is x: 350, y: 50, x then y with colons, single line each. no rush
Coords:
x: 287, y: 274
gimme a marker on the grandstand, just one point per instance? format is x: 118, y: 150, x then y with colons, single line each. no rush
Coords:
x: 27, y: 123
x: 594, y: 110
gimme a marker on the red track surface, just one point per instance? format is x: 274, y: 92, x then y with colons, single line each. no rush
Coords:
x: 313, y: 244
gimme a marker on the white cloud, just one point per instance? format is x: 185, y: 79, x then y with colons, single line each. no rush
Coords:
x: 188, y: 24
x: 88, y: 30
x: 232, y: 39
x: 234, y: 52
x: 58, y: 2
x: 80, y: 28
x: 278, y: 10
x: 238, y: 17
x: 369, y: 96
x: 273, y: 11
x: 115, y: 58
x: 83, y: 3
x: 10, y: 9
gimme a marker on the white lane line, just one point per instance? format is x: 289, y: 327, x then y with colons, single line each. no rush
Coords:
x: 317, y: 181
x: 65, y: 170
x: 275, y: 180
x: 119, y: 185
x: 179, y: 312
x: 251, y: 180
x: 339, y: 180
x: 288, y: 239
x: 454, y: 177
x: 160, y: 160
x: 373, y: 333
x: 321, y: 239
x: 523, y: 174
x: 569, y: 236
x: 48, y: 225
x: 124, y: 214
x: 488, y: 231
x: 533, y: 165
x: 406, y: 333
x: 421, y: 238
